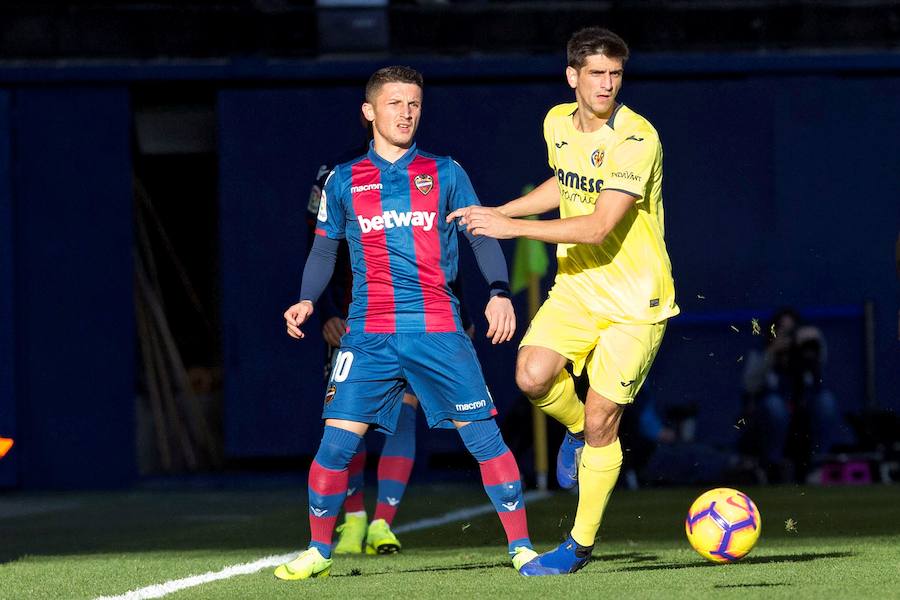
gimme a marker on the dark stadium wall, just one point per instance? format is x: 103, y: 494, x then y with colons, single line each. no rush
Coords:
x: 271, y: 144
x: 780, y: 189
x: 74, y: 305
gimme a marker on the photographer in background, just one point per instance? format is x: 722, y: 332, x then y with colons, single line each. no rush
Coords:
x: 792, y: 417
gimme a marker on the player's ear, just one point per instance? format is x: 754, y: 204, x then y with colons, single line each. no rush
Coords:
x: 572, y: 77
x: 368, y: 112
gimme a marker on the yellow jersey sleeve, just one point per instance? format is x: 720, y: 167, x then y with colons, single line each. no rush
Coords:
x: 554, y: 127
x: 629, y: 164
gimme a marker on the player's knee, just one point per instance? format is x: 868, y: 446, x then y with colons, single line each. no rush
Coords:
x: 483, y: 440
x: 532, y: 380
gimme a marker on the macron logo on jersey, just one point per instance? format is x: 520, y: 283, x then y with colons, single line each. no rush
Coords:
x: 365, y: 188
x: 392, y: 218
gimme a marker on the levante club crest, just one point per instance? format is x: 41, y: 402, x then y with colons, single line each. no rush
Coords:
x: 424, y: 183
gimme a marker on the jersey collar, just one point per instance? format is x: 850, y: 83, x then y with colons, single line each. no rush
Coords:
x: 401, y: 162
x: 612, y: 118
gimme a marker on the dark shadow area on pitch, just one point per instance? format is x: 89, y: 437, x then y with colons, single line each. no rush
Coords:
x: 759, y: 560
x: 466, y: 567
x: 633, y: 557
x: 750, y: 585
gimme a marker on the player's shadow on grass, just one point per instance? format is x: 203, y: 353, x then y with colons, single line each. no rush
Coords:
x: 753, y: 560
x: 633, y: 557
x: 749, y: 585
x: 436, y: 569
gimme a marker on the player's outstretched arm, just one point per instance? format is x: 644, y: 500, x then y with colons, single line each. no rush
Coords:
x: 541, y: 199
x: 585, y: 229
x: 316, y: 274
x: 538, y: 201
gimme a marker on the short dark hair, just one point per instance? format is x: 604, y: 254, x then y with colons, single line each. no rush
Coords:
x: 594, y: 40
x: 394, y: 74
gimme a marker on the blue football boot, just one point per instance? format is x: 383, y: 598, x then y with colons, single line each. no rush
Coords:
x: 567, y: 558
x: 567, y: 460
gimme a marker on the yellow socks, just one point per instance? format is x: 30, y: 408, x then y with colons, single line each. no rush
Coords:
x: 562, y: 404
x: 597, y: 474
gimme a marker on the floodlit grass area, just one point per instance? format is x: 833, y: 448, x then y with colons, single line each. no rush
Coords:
x: 846, y: 544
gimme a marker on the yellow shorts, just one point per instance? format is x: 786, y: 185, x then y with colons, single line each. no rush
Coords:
x: 617, y: 355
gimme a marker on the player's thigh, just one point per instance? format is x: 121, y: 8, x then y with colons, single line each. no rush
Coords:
x: 567, y: 329
x: 366, y: 384
x: 619, y: 364
x: 443, y: 370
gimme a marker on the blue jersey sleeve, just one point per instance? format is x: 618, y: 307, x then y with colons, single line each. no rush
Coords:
x: 462, y: 193
x: 331, y: 219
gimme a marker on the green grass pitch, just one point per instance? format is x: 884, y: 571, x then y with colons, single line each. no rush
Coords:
x: 846, y: 544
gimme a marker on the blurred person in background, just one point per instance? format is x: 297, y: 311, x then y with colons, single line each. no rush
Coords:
x: 792, y: 417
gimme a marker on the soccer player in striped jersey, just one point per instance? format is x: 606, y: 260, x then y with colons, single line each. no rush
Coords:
x: 356, y: 534
x: 404, y: 326
x: 613, y: 293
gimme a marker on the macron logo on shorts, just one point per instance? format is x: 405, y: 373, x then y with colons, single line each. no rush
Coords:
x: 391, y: 218
x: 471, y: 405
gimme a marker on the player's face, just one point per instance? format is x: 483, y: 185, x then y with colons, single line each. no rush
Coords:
x: 395, y: 113
x: 597, y: 83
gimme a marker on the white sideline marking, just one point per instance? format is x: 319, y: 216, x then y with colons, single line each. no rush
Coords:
x: 163, y: 589
x: 463, y: 513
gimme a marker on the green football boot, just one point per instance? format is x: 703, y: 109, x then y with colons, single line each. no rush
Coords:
x: 310, y: 563
x: 380, y: 539
x: 352, y: 535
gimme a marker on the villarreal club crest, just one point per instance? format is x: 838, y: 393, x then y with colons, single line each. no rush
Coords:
x: 723, y: 525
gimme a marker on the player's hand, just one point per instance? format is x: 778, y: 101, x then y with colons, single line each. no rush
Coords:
x: 332, y: 331
x: 501, y: 319
x: 295, y: 316
x: 484, y: 220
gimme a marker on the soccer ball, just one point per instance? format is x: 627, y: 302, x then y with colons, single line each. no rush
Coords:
x: 723, y: 525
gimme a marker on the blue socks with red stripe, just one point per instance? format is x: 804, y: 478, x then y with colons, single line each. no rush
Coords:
x: 356, y: 480
x: 328, y: 478
x: 500, y: 475
x: 395, y: 464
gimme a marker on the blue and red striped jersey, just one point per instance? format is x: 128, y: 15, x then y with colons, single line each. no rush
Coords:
x: 402, y: 252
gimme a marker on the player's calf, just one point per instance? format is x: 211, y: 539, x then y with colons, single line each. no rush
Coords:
x: 500, y: 476
x: 327, y: 488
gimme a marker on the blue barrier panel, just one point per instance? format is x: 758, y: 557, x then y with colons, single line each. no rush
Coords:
x: 8, y: 465
x: 75, y: 340
x: 759, y: 196
x: 270, y: 144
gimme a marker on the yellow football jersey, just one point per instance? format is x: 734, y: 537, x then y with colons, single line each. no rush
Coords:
x: 628, y: 277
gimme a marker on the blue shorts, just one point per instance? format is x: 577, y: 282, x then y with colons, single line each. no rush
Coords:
x: 373, y: 370
x: 332, y: 358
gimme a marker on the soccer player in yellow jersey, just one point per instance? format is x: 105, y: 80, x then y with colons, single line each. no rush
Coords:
x: 613, y: 293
